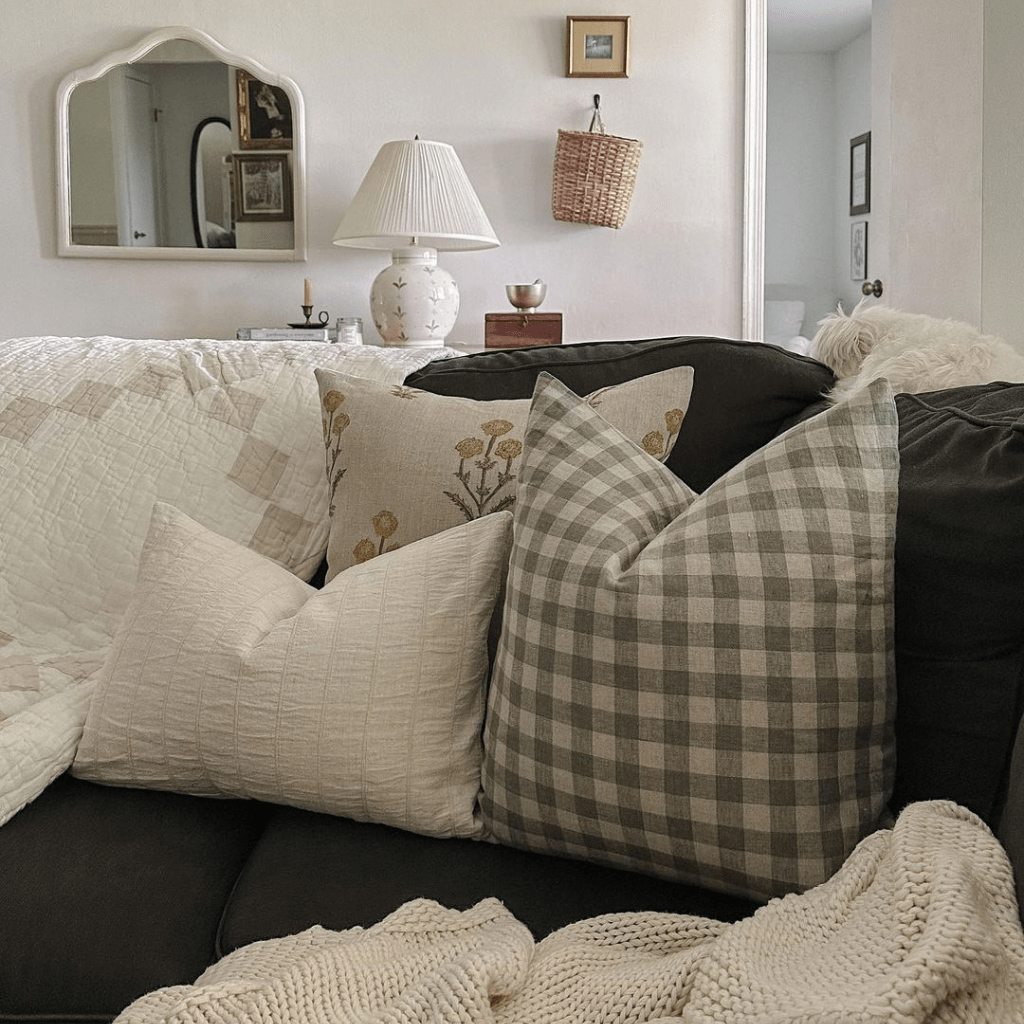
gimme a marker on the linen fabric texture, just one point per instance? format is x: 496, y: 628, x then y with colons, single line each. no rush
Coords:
x: 700, y: 688
x: 403, y: 464
x: 231, y: 677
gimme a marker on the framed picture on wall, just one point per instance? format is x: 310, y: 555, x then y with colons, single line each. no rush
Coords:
x: 859, y: 250
x: 860, y: 174
x: 264, y: 114
x: 597, y: 47
x: 263, y: 187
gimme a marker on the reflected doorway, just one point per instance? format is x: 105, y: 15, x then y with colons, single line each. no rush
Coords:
x: 818, y: 97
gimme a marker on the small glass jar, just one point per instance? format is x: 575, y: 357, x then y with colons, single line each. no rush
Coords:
x: 350, y: 330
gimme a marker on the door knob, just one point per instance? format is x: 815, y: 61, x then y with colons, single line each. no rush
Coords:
x: 139, y: 234
x: 872, y: 288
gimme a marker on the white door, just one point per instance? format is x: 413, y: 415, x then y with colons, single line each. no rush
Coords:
x: 132, y: 111
x: 927, y: 145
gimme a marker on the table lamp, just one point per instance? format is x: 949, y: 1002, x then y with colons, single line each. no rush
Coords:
x: 415, y: 200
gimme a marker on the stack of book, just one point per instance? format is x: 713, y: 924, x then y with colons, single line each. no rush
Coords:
x: 284, y: 334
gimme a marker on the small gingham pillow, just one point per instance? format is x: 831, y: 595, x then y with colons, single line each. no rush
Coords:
x: 698, y: 687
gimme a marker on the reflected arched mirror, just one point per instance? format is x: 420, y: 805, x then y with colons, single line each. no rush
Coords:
x: 179, y: 149
x: 213, y: 225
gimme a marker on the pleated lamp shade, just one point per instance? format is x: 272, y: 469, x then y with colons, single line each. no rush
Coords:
x: 414, y: 200
x: 416, y: 193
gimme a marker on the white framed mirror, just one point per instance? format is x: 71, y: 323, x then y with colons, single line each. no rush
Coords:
x: 130, y: 139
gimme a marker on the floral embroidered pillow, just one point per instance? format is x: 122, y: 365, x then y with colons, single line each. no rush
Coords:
x: 404, y: 464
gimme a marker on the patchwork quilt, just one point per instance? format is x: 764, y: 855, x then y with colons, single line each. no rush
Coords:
x: 93, y: 431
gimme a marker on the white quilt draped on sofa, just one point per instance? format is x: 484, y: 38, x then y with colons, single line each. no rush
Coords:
x: 92, y: 432
x: 915, y: 927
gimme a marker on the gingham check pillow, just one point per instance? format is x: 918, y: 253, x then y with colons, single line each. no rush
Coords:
x: 698, y: 687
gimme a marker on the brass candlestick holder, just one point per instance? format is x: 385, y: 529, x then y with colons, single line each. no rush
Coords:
x: 323, y: 317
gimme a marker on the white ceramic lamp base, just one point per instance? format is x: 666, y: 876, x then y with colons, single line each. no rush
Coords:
x: 414, y: 302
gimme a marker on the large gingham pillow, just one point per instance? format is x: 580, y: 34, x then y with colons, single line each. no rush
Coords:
x: 697, y: 687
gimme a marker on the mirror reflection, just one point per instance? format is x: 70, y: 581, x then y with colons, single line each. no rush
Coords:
x: 212, y: 221
x: 180, y: 149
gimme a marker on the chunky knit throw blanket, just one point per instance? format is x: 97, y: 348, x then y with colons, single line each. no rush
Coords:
x: 921, y: 924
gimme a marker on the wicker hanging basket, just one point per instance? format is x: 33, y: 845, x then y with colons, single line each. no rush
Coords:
x: 594, y: 175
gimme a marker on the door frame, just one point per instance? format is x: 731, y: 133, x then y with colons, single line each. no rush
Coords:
x: 755, y: 121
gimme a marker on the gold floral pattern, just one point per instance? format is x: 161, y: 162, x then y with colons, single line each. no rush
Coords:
x: 654, y: 442
x: 334, y: 424
x: 483, y: 495
x: 384, y: 523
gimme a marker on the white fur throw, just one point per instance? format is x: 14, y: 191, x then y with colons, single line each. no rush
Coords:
x: 914, y: 352
x: 920, y: 925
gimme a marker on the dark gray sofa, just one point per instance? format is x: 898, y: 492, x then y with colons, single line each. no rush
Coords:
x: 106, y: 893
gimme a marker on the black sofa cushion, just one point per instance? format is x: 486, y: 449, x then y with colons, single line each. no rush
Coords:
x: 313, y: 869
x: 107, y: 893
x: 744, y: 393
x: 959, y: 584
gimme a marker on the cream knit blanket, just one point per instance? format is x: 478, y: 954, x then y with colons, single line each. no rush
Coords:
x: 920, y: 924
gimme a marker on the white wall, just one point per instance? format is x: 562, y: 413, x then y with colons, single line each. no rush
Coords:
x: 484, y: 75
x: 800, y: 173
x: 91, y: 154
x: 1003, y: 172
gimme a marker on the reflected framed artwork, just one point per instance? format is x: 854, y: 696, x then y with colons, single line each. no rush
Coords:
x: 597, y: 47
x: 264, y: 114
x: 262, y: 187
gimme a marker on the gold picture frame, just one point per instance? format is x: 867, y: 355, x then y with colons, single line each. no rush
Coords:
x: 597, y: 46
x: 264, y: 114
x: 262, y: 184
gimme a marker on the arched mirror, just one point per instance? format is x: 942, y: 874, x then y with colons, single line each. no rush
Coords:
x: 179, y: 149
x: 213, y: 225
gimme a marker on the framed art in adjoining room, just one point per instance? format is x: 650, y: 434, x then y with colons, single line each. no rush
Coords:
x: 264, y: 114
x: 859, y: 250
x: 860, y: 174
x: 263, y: 188
x: 597, y: 47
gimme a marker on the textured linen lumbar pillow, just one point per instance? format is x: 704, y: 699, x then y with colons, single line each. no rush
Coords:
x: 403, y: 464
x: 697, y: 687
x: 231, y: 677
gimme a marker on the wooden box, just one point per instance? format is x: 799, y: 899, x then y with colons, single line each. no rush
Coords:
x: 520, y: 330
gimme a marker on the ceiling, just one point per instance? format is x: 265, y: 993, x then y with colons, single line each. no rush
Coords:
x: 815, y: 26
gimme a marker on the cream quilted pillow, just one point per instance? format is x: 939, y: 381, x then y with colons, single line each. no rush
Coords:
x: 229, y: 676
x: 403, y: 464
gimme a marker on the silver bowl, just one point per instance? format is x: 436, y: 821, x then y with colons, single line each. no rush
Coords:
x: 526, y: 297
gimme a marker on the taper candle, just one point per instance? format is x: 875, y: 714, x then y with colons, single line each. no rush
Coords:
x: 307, y: 293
